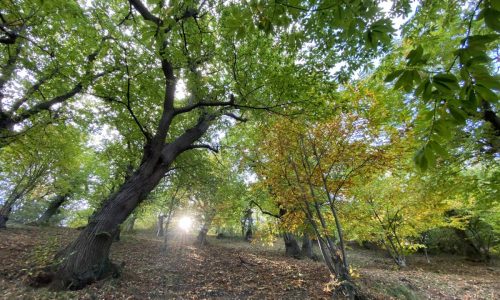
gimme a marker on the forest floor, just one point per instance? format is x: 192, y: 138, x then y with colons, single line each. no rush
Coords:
x: 234, y: 269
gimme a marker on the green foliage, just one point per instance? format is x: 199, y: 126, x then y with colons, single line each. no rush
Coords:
x: 453, y: 82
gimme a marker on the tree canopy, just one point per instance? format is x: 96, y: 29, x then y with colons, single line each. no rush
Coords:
x: 370, y: 121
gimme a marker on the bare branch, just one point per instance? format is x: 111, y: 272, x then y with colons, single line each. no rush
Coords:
x: 203, y: 146
x: 264, y: 211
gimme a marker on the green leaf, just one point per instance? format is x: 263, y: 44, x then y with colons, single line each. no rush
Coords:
x: 479, y: 42
x: 459, y: 115
x: 492, y: 18
x: 486, y: 93
x: 429, y: 155
x: 420, y: 160
x: 393, y: 75
x: 491, y: 82
x: 445, y: 82
x: 437, y: 148
x: 442, y: 128
x: 471, y: 102
x: 425, y: 88
x: 415, y: 55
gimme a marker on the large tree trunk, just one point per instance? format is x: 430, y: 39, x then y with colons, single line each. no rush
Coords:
x: 53, y: 208
x: 87, y: 258
x: 292, y: 248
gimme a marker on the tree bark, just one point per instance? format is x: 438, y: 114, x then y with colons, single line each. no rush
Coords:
x: 306, y: 250
x: 292, y: 248
x: 53, y: 208
x: 86, y: 259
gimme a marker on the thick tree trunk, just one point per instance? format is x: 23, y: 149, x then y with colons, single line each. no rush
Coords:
x: 116, y: 237
x: 292, y: 248
x: 307, y: 246
x: 87, y: 258
x: 53, y: 208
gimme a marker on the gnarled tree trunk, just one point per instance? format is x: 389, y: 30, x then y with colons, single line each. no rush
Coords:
x: 87, y: 258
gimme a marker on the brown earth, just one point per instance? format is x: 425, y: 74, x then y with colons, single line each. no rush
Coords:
x: 233, y: 269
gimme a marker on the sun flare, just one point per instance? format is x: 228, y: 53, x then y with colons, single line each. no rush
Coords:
x: 185, y: 223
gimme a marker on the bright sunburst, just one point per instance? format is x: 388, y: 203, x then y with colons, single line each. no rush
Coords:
x: 185, y: 223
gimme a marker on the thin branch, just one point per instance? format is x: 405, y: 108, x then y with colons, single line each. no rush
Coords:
x: 264, y: 211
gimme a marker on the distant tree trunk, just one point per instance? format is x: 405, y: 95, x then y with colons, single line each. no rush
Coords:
x: 129, y: 223
x: 6, y: 210
x: 53, y: 208
x: 292, y: 248
x: 248, y: 225
x: 306, y: 246
x: 167, y: 226
x: 202, y: 235
x: 249, y: 234
x: 159, y: 225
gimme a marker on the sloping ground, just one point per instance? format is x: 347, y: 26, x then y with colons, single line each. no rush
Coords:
x: 233, y: 270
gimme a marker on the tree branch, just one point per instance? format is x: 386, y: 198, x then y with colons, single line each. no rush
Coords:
x: 145, y: 13
x: 237, y: 118
x: 264, y: 211
x: 203, y: 146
